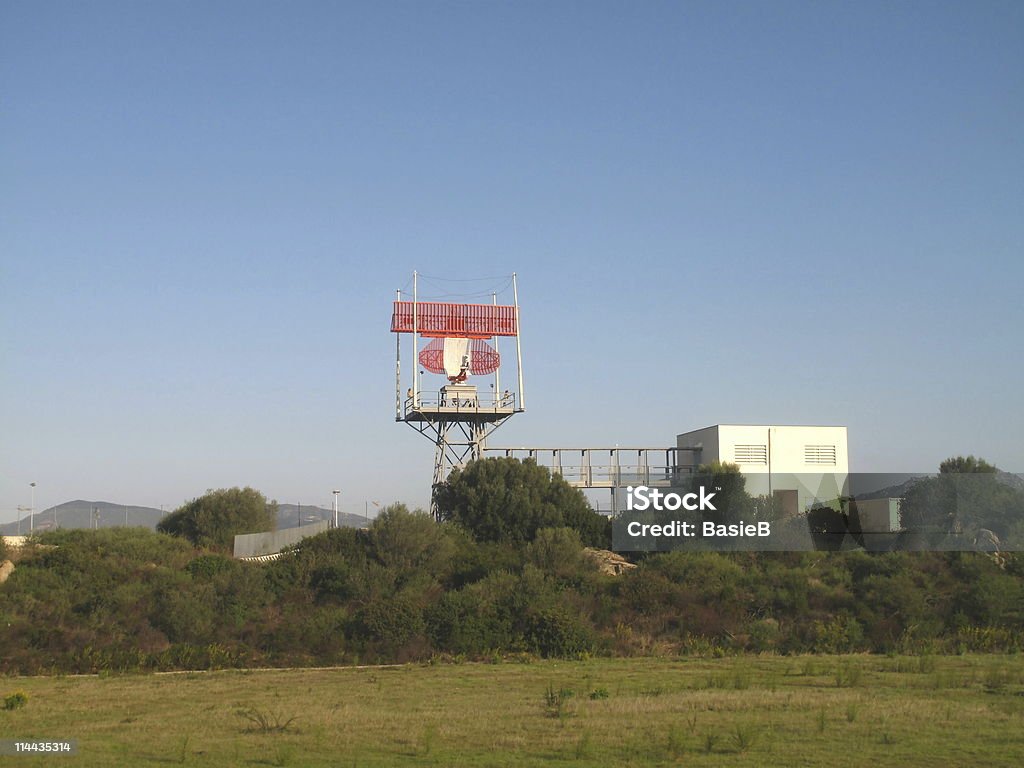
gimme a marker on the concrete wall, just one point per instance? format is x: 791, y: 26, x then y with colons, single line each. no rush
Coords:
x: 706, y: 439
x: 770, y: 448
x: 878, y: 515
x: 270, y: 542
x: 811, y: 460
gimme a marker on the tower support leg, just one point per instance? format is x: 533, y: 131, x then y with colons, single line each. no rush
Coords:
x: 455, y: 453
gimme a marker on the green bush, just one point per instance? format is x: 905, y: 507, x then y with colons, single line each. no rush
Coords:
x: 558, y: 551
x: 462, y: 623
x: 390, y: 624
x: 126, y: 599
x: 331, y: 582
x: 323, y: 634
x: 214, y: 519
x: 557, y: 633
x: 16, y: 700
x: 409, y: 541
x: 183, y: 614
x: 764, y: 635
x: 206, y: 567
x: 842, y: 634
x: 503, y: 499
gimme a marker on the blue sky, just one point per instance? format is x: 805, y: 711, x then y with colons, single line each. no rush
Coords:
x: 718, y: 212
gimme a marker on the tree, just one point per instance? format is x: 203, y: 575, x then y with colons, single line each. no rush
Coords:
x: 960, y: 465
x: 214, y: 519
x: 503, y: 499
x: 409, y: 543
x: 967, y: 497
x: 558, y: 551
x: 729, y: 486
x: 828, y: 526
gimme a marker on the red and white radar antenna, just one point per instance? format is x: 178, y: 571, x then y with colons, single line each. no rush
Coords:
x: 458, y: 340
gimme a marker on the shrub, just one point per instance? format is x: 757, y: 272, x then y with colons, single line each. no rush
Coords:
x: 463, y: 623
x: 184, y: 615
x: 331, y: 582
x: 410, y: 543
x: 205, y: 567
x: 214, y: 519
x: 557, y: 551
x: 843, y: 634
x: 503, y: 499
x: 743, y: 737
x: 265, y: 721
x: 391, y: 623
x: 323, y: 633
x: 16, y: 700
x: 557, y: 633
x: 764, y: 634
x: 555, y: 701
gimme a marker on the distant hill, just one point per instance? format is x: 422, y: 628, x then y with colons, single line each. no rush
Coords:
x: 288, y: 516
x: 898, y: 491
x: 80, y: 514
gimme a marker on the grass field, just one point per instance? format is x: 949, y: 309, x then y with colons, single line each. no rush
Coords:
x: 797, y: 711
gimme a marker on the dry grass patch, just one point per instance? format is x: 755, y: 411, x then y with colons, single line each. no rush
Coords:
x: 886, y: 712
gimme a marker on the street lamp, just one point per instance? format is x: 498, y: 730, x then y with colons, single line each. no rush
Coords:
x: 366, y: 509
x: 336, y: 492
x: 32, y: 513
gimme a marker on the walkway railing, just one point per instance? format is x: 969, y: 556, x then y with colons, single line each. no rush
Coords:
x: 606, y: 467
x: 440, y: 402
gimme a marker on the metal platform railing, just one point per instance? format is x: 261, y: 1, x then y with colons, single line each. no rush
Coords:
x: 441, y: 402
x: 606, y: 467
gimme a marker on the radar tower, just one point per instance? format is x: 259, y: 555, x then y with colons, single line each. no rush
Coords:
x: 462, y: 341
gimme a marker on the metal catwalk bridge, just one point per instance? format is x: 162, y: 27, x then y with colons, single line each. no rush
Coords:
x: 608, y: 467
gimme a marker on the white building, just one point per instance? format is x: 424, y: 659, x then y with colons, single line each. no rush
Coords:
x: 798, y: 465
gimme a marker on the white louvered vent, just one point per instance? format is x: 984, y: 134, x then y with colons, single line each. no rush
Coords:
x: 751, y: 454
x: 820, y: 454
